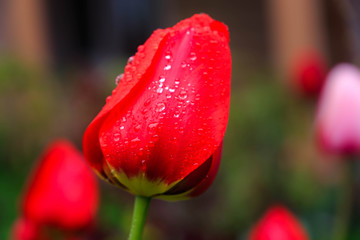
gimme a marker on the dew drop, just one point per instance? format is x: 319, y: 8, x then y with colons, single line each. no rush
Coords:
x: 134, y: 142
x: 116, y: 137
x: 155, y: 137
x: 145, y: 110
x: 131, y: 59
x: 159, y: 90
x: 171, y: 90
x: 153, y: 126
x: 137, y: 128
x: 167, y: 67
x: 122, y: 127
x: 192, y: 56
x: 147, y: 102
x: 118, y: 78
x: 182, y: 95
x: 168, y: 56
x: 160, y: 107
x: 161, y: 79
x: 141, y: 151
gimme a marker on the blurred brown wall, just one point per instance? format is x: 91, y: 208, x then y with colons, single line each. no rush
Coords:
x: 26, y: 27
x: 295, y: 27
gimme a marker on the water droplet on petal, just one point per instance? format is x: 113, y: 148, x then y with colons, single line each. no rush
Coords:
x: 159, y: 90
x: 116, y: 137
x: 182, y: 94
x: 134, y: 142
x: 168, y: 56
x: 147, y: 102
x: 192, y: 56
x: 153, y: 126
x: 167, y: 67
x: 118, y: 78
x: 155, y: 137
x: 160, y: 107
x: 130, y: 59
x: 161, y: 79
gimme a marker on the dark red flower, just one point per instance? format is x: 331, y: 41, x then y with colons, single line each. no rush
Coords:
x: 62, y: 192
x: 309, y: 72
x: 278, y: 224
x: 160, y: 132
x: 338, y: 116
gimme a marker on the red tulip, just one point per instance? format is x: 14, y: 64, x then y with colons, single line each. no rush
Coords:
x: 25, y: 229
x: 62, y: 192
x: 338, y: 115
x: 309, y: 72
x: 160, y: 133
x: 278, y: 224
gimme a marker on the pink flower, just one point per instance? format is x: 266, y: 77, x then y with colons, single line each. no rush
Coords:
x: 338, y: 116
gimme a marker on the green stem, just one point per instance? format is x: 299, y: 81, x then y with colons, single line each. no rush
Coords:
x: 342, y: 223
x: 139, y: 215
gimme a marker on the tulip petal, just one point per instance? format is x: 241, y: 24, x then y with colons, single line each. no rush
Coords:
x: 133, y: 73
x: 198, y: 181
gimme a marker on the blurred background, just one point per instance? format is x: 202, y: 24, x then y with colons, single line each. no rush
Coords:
x: 59, y: 60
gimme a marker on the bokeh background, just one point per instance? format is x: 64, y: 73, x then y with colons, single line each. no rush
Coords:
x: 59, y: 60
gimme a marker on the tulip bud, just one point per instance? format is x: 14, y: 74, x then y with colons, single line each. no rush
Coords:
x: 62, y: 192
x: 309, y: 72
x: 338, y: 114
x: 278, y: 224
x: 25, y: 229
x: 160, y: 133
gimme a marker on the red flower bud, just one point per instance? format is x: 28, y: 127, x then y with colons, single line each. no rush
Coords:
x: 278, y: 224
x: 309, y: 72
x: 338, y: 115
x: 62, y: 192
x: 25, y: 229
x: 160, y: 132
